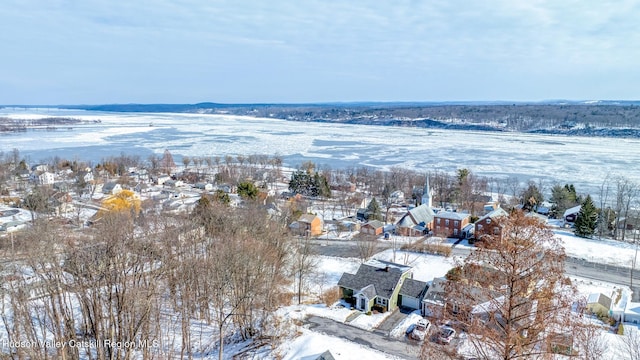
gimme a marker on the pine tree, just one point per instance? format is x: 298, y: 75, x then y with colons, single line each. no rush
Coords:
x: 309, y: 184
x: 587, y: 219
x: 247, y: 190
x: 374, y: 211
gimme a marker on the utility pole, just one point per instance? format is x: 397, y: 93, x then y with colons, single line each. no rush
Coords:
x: 635, y: 257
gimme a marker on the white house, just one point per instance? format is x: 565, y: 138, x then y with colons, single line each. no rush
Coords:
x: 111, y: 188
x: 86, y: 176
x: 40, y: 167
x: 162, y: 179
x: 397, y: 196
x: 46, y: 178
x: 204, y: 186
x: 174, y: 183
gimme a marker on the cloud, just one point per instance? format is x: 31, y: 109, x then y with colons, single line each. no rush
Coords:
x: 360, y: 47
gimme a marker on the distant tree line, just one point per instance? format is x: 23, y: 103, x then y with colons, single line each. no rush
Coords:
x: 512, y: 117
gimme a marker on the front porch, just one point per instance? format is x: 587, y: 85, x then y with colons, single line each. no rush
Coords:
x: 365, y: 302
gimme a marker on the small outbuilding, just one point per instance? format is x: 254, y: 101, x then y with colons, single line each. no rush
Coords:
x: 373, y: 227
x: 599, y: 303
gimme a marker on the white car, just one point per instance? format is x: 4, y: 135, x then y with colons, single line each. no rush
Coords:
x: 420, y: 330
x: 445, y: 335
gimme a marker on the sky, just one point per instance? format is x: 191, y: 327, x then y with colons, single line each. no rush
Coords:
x: 189, y: 51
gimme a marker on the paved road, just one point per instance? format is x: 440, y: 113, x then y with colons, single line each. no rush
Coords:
x: 605, y: 273
x: 574, y: 266
x: 374, y: 340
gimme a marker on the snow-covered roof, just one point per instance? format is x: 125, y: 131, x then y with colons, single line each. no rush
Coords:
x: 573, y: 210
x: 417, y: 215
x: 376, y: 224
x: 633, y: 309
x: 494, y: 214
x: 452, y: 215
x: 381, y: 264
x: 599, y: 298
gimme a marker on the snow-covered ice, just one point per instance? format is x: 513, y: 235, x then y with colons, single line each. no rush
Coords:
x: 559, y: 159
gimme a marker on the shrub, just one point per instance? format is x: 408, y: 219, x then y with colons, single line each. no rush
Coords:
x: 436, y: 249
x: 454, y: 274
x: 330, y: 296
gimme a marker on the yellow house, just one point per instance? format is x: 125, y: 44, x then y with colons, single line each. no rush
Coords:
x: 599, y: 304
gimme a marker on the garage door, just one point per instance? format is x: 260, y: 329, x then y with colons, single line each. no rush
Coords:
x: 410, y: 302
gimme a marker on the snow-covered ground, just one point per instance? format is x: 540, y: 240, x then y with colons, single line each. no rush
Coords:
x: 311, y: 344
x: 603, y: 251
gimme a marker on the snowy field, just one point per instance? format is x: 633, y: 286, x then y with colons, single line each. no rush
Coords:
x: 603, y: 251
x: 582, y: 161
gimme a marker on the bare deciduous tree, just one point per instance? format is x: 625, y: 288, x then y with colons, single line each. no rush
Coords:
x: 631, y: 344
x: 303, y: 264
x: 367, y: 246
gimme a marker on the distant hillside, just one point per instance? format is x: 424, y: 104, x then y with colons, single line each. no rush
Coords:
x: 589, y: 118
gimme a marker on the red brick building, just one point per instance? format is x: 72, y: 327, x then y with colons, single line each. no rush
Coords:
x: 450, y: 224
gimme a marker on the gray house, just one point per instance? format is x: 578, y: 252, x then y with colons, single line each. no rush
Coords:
x: 379, y: 284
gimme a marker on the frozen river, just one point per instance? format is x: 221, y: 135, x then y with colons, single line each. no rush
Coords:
x: 580, y: 160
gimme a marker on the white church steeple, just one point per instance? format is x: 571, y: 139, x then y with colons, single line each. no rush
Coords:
x: 426, y: 193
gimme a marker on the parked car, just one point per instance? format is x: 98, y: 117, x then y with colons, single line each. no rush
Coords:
x: 445, y: 335
x: 420, y: 330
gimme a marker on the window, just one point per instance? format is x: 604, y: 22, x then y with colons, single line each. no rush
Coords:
x: 438, y: 221
x: 489, y: 221
x: 479, y: 227
x: 455, y: 223
x: 381, y: 301
x: 446, y: 222
x: 455, y: 308
x: 496, y: 231
x: 455, y: 232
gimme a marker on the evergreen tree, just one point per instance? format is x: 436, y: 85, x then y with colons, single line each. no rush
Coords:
x: 587, y: 219
x: 573, y: 195
x: 221, y: 197
x: 563, y: 198
x: 309, y: 184
x: 247, y: 190
x: 374, y: 211
x: 321, y: 185
x: 531, y: 197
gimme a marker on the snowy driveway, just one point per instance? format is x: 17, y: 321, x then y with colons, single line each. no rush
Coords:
x: 388, y: 345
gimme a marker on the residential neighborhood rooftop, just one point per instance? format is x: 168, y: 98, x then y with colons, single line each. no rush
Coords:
x: 452, y: 215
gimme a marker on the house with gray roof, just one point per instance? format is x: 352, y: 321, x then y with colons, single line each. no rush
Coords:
x: 373, y: 227
x: 377, y: 285
x: 416, y: 222
x: 111, y: 188
x: 324, y: 356
x: 411, y: 293
x: 450, y: 223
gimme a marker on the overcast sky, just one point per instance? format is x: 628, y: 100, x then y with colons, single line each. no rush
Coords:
x: 188, y: 51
